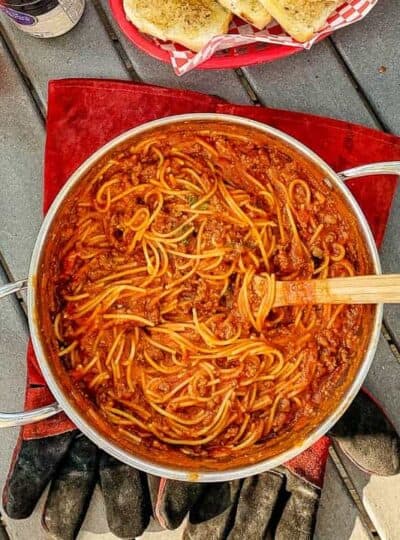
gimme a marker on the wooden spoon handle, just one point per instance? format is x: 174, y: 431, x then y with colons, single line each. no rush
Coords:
x: 349, y: 290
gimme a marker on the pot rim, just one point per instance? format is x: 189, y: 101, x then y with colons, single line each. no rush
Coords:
x: 71, y: 409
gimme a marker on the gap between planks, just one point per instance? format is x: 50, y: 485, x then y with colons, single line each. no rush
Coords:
x: 19, y: 67
x: 350, y: 487
x: 116, y: 43
x: 359, y: 89
x: 388, y: 335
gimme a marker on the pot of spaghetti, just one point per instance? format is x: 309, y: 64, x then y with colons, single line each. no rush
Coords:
x: 141, y: 305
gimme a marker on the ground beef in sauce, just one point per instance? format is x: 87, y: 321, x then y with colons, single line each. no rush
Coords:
x: 114, y: 282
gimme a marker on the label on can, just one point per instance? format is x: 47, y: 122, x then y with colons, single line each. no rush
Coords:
x: 55, y: 22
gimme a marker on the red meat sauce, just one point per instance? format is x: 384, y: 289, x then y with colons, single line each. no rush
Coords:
x: 332, y: 345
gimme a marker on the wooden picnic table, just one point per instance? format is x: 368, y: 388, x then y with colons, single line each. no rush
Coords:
x: 354, y: 75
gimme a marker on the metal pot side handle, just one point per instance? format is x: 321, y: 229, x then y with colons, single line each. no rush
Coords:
x: 27, y: 417
x: 385, y: 167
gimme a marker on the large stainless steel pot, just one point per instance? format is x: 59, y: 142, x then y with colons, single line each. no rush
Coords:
x: 64, y: 402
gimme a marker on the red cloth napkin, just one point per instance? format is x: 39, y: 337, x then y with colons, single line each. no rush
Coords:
x: 84, y: 114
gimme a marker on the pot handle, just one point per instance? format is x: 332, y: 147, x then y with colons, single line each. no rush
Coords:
x: 384, y: 167
x: 27, y: 417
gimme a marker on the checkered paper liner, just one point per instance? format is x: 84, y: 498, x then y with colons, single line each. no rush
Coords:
x: 242, y: 33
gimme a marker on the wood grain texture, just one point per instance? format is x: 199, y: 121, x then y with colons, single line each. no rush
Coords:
x: 21, y: 154
x: 313, y: 81
x: 348, y: 290
x: 371, y: 51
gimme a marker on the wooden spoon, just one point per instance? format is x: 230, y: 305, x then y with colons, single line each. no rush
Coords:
x: 348, y: 290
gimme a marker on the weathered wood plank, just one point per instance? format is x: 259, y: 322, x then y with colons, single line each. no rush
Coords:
x: 371, y: 50
x: 383, y: 381
x: 338, y: 516
x: 390, y: 257
x: 21, y: 142
x: 314, y: 81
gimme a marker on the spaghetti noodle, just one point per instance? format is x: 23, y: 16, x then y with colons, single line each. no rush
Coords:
x: 155, y: 310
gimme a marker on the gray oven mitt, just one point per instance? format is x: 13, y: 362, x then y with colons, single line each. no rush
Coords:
x: 368, y: 438
x: 73, y: 465
x: 278, y: 501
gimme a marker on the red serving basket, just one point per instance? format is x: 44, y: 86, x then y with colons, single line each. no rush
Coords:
x: 236, y: 57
